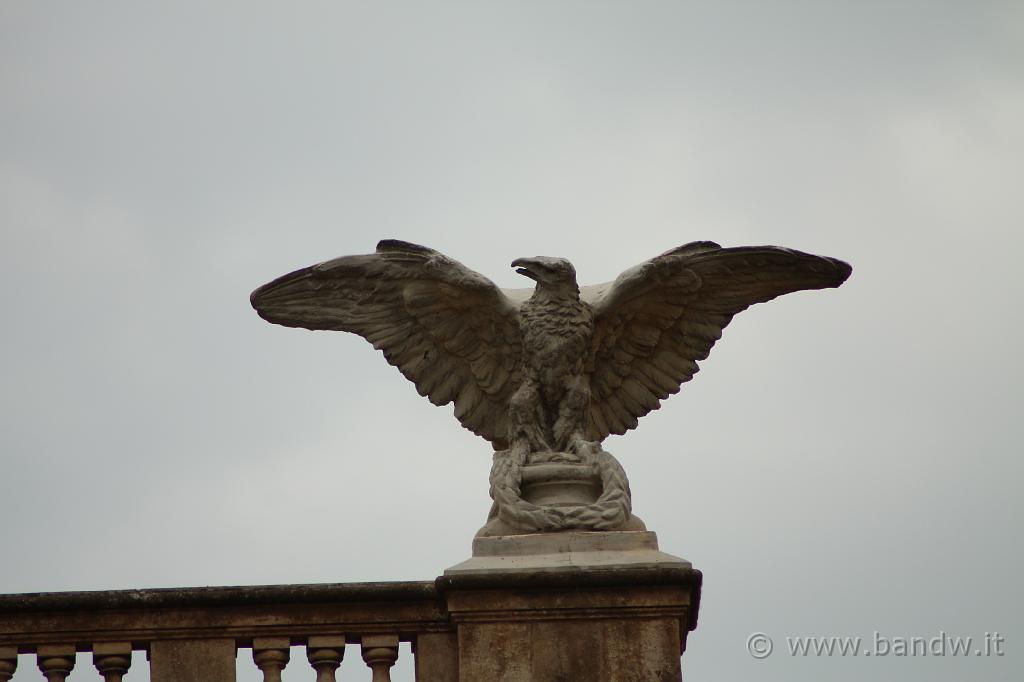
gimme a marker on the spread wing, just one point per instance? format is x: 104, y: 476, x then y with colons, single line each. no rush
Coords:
x: 448, y: 329
x: 658, y: 319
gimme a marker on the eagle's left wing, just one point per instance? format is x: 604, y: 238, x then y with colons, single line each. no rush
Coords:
x: 448, y: 329
x: 658, y: 319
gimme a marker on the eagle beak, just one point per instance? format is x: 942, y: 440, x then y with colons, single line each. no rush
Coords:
x: 523, y: 267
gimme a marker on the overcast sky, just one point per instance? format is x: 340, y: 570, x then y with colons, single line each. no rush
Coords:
x: 847, y: 461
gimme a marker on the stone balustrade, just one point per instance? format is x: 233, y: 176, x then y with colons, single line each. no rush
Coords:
x: 195, y: 634
x: 597, y: 625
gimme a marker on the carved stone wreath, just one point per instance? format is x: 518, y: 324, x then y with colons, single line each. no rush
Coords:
x: 612, y: 508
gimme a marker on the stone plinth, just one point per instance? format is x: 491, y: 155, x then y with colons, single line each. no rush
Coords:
x: 599, y: 607
x: 554, y: 552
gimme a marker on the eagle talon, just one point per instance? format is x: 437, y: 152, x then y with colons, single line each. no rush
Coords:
x: 583, y: 448
x: 549, y: 457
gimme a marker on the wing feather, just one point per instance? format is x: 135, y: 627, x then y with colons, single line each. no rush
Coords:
x: 448, y: 329
x: 659, y: 319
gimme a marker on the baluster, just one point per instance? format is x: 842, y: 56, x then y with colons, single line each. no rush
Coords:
x: 8, y: 662
x: 271, y: 655
x: 325, y: 654
x: 112, y: 659
x: 380, y: 653
x: 56, y: 661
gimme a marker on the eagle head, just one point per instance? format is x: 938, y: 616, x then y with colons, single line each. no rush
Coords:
x: 544, y: 270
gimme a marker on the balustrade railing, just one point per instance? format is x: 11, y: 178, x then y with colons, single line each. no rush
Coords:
x: 575, y: 623
x: 195, y: 634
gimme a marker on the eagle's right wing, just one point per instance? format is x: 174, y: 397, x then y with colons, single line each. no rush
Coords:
x: 448, y: 329
x: 658, y: 319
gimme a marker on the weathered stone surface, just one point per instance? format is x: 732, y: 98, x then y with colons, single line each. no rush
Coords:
x: 495, y: 651
x: 213, y: 597
x: 546, y: 375
x: 559, y: 496
x: 553, y: 552
x: 641, y: 650
x: 8, y: 662
x: 112, y: 659
x: 623, y: 650
x: 56, y: 661
x: 325, y: 653
x: 192, y: 660
x: 271, y: 655
x: 595, y: 625
x: 283, y: 610
x: 380, y: 653
x: 437, y: 657
x: 529, y: 625
x: 630, y: 650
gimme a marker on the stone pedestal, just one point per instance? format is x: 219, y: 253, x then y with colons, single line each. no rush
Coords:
x: 556, y: 552
x: 568, y: 607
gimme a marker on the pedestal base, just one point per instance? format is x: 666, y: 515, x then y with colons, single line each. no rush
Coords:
x: 553, y: 552
x: 599, y: 607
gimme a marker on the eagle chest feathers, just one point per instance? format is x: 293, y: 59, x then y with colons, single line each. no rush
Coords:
x: 556, y: 338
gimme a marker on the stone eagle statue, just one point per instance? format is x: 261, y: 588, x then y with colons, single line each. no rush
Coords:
x: 546, y: 375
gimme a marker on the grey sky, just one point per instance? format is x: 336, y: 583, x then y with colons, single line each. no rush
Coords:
x: 847, y: 461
